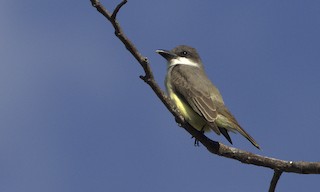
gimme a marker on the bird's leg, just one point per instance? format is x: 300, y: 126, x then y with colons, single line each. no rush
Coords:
x: 196, y: 141
x: 178, y: 122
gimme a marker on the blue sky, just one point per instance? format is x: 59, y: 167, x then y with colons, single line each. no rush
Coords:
x: 74, y: 116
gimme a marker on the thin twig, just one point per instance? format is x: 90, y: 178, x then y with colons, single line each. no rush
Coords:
x: 274, y: 181
x: 117, y: 9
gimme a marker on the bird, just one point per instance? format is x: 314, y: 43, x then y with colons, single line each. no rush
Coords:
x: 196, y: 97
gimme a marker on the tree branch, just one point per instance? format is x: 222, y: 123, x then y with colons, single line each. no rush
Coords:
x: 117, y: 9
x: 148, y: 77
x: 275, y: 179
x: 217, y: 148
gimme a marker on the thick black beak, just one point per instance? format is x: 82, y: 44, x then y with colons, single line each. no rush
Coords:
x: 168, y: 55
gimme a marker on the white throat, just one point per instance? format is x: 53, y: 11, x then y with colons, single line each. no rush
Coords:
x: 182, y: 61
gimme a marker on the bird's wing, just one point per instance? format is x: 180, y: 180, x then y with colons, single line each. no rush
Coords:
x: 192, y: 85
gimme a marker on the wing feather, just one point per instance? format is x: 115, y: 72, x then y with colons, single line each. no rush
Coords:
x: 193, y: 86
x: 197, y: 95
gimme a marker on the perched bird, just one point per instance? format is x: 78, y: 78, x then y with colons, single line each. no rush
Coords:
x: 197, y: 99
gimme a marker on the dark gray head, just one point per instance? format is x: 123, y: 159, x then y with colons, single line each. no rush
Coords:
x: 183, y: 55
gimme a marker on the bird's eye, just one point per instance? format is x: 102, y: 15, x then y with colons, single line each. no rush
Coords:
x: 184, y: 53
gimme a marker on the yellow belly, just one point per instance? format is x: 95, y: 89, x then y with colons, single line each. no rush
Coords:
x: 189, y: 114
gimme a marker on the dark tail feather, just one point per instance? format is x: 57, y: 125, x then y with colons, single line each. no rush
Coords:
x: 225, y: 134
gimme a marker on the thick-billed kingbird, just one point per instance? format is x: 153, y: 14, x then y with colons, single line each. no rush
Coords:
x: 197, y: 99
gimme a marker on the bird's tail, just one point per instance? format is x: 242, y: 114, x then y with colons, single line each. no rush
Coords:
x: 247, y: 136
x: 230, y: 124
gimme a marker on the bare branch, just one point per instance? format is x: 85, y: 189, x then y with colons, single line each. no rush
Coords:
x: 254, y: 159
x: 274, y: 181
x: 148, y: 77
x: 117, y: 9
x: 214, y: 147
x: 119, y: 33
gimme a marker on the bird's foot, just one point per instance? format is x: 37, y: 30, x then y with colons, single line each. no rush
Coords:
x: 196, y: 142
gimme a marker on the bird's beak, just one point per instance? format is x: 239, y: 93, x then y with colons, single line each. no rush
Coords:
x: 168, y: 55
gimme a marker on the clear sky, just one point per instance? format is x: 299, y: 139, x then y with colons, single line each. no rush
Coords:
x: 74, y: 115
